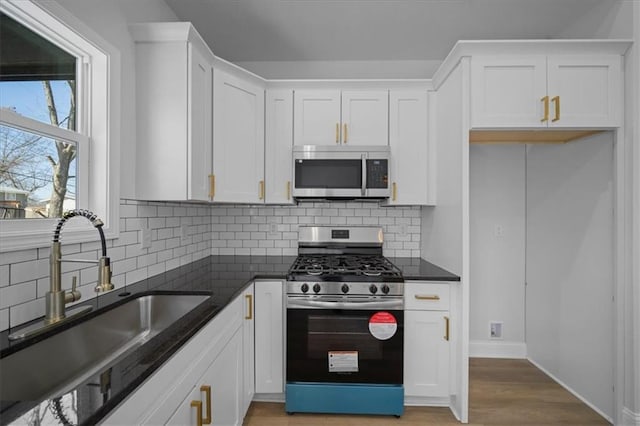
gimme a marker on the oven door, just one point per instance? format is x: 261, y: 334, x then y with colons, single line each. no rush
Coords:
x: 345, y: 345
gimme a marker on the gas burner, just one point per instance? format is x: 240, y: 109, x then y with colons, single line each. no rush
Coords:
x: 350, y: 267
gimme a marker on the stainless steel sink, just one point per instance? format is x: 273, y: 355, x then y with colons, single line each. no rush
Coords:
x: 64, y: 360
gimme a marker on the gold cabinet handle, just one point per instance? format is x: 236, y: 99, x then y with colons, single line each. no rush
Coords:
x: 344, y: 136
x: 198, y: 406
x: 288, y: 190
x: 546, y: 109
x: 394, y: 191
x: 556, y: 101
x: 261, y: 191
x: 212, y: 186
x: 446, y: 328
x: 337, y: 132
x: 249, y: 298
x: 207, y: 392
x: 427, y: 297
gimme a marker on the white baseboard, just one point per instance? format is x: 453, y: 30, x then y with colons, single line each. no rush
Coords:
x: 573, y: 392
x: 629, y: 418
x: 268, y: 397
x: 426, y: 401
x: 497, y: 349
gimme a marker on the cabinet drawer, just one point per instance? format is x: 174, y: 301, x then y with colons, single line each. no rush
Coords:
x: 426, y: 296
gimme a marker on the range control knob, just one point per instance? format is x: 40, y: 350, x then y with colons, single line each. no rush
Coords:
x: 316, y: 288
x: 385, y: 289
x: 373, y: 289
x: 344, y: 288
x: 304, y: 287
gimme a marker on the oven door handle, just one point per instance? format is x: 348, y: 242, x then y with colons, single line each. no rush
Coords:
x: 318, y: 304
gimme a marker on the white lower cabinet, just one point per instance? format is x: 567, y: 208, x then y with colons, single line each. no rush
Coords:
x: 426, y: 343
x: 269, y: 337
x: 216, y: 398
x: 209, y: 371
x: 248, y: 351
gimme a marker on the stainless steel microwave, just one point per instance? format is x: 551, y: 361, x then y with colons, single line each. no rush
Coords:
x: 341, y: 171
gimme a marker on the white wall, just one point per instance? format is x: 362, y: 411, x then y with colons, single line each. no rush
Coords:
x: 608, y: 19
x: 497, y: 247
x: 110, y: 20
x: 569, y: 265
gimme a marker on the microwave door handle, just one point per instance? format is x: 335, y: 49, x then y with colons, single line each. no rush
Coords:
x: 364, y: 175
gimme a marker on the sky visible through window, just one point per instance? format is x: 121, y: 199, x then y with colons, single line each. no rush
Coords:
x: 27, y: 98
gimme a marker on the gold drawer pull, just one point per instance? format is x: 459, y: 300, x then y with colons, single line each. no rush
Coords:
x: 394, y: 191
x: 249, y: 298
x: 261, y: 190
x: 198, y: 407
x: 337, y: 132
x: 427, y: 297
x: 556, y: 101
x: 344, y: 137
x: 207, y: 391
x: 546, y: 109
x: 446, y: 328
x: 212, y: 186
x: 288, y: 190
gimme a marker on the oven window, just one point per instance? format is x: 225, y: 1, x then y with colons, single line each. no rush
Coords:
x: 313, y: 335
x: 328, y: 174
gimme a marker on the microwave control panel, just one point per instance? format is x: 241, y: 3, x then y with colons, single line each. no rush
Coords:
x: 377, y: 174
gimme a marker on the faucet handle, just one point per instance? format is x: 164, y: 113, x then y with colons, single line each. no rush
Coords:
x: 104, y: 275
x: 74, y: 294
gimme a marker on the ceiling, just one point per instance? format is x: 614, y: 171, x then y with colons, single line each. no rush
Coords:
x: 366, y: 30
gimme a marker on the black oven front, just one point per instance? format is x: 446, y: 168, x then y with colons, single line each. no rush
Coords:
x: 341, y: 344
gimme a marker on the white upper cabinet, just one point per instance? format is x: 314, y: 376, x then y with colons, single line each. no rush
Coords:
x: 538, y: 91
x: 331, y: 117
x: 238, y: 142
x: 316, y: 117
x: 174, y: 70
x: 278, y: 146
x: 365, y: 117
x: 408, y: 140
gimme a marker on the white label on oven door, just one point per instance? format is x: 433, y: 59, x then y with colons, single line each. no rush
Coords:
x: 383, y: 325
x: 343, y: 361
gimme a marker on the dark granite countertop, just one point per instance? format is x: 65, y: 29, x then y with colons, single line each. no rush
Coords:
x: 224, y: 277
x: 415, y: 268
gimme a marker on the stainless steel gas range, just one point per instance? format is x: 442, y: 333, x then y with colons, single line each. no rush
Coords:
x: 345, y: 324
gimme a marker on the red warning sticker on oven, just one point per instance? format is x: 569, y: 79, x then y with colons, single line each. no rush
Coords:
x: 383, y: 325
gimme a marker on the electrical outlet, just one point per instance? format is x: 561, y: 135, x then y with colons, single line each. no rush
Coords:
x: 273, y: 228
x: 184, y: 232
x: 498, y: 231
x: 403, y: 229
x: 495, y: 330
x: 146, y: 237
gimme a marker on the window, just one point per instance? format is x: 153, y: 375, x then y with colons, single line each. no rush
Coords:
x: 59, y: 85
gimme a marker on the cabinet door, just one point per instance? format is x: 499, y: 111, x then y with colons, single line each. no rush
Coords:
x: 365, y: 118
x: 408, y: 140
x: 278, y: 146
x: 248, y: 366
x: 238, y: 144
x: 585, y: 91
x: 507, y: 91
x: 224, y: 377
x: 269, y: 337
x: 316, y: 117
x: 200, y: 115
x: 426, y: 353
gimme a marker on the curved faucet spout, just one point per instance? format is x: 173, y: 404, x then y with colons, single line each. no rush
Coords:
x: 56, y: 298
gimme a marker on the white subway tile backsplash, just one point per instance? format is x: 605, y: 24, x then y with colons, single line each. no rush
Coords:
x: 211, y: 229
x: 4, y: 275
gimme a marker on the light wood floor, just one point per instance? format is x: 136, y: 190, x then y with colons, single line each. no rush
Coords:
x: 501, y: 392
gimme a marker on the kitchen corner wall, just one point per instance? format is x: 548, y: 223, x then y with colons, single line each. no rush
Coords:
x: 210, y: 229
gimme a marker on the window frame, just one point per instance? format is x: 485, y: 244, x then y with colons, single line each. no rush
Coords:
x: 98, y: 126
